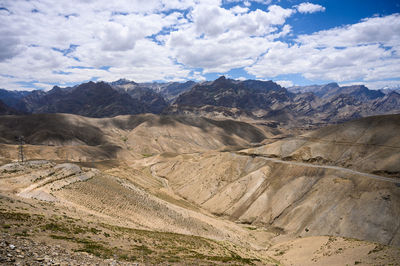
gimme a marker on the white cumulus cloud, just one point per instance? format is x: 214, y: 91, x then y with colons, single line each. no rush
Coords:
x: 285, y: 83
x: 352, y: 52
x: 46, y: 42
x: 264, y: 2
x: 219, y: 40
x: 310, y: 8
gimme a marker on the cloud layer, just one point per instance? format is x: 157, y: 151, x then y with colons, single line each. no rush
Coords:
x: 365, y: 51
x: 45, y: 42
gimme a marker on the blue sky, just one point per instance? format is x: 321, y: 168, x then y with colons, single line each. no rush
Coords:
x: 45, y: 43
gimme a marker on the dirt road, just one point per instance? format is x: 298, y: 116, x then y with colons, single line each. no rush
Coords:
x: 275, y: 160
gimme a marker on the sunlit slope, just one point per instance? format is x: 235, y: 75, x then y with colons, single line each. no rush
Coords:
x: 116, y: 200
x: 291, y: 200
x: 369, y: 144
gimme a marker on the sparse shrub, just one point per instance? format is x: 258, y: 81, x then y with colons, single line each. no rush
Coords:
x: 18, y: 216
x: 94, y: 248
x: 23, y: 233
x: 56, y: 228
x: 94, y: 230
x: 6, y: 226
x: 377, y: 248
x: 144, y: 249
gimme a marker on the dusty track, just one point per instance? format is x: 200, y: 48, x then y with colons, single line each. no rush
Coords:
x: 350, y: 171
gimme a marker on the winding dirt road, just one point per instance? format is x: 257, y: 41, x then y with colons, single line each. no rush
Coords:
x: 350, y: 171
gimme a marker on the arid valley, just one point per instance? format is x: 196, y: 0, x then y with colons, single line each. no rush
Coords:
x: 182, y: 190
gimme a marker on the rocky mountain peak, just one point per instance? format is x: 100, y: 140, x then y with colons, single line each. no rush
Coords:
x: 221, y: 78
x: 123, y: 82
x: 247, y: 95
x: 222, y: 82
x: 330, y: 85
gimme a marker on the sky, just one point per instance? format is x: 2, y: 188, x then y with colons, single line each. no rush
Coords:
x: 44, y: 43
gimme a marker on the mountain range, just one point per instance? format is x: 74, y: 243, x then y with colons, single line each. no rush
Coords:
x: 226, y: 172
x: 223, y: 97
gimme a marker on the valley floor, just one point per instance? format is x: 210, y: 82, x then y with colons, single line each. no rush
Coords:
x: 42, y: 224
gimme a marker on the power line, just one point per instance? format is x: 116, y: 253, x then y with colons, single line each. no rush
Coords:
x: 21, y: 142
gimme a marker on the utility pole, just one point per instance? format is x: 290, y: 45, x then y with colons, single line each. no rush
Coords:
x: 21, y: 142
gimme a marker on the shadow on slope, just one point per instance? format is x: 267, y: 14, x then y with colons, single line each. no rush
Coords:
x: 49, y: 129
x: 124, y: 136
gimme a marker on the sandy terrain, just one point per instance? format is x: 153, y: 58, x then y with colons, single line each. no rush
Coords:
x: 184, y: 191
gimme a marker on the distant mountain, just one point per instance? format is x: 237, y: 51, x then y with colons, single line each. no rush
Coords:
x: 169, y: 90
x: 333, y: 89
x: 33, y: 101
x: 172, y: 90
x: 333, y: 103
x: 388, y: 90
x: 152, y: 101
x: 296, y: 106
x: 221, y: 98
x: 7, y: 110
x: 388, y: 104
x: 122, y: 82
x: 246, y: 95
x: 318, y: 90
x: 13, y: 98
x: 88, y: 99
x: 339, y: 108
x: 359, y: 91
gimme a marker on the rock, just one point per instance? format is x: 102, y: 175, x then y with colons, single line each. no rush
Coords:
x: 11, y: 246
x: 40, y: 259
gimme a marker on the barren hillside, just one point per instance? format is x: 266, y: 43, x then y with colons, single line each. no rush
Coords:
x: 143, y: 188
x: 73, y: 137
x: 368, y: 144
x: 298, y: 200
